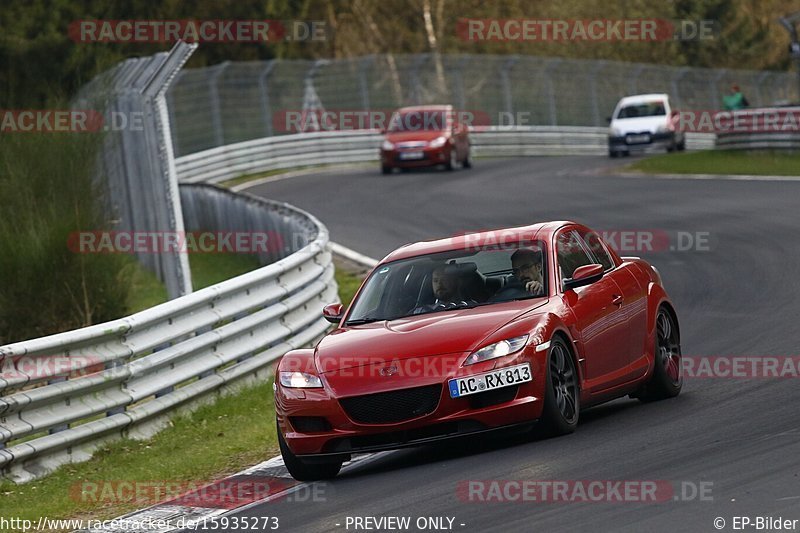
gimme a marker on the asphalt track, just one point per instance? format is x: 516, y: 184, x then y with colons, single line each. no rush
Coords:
x: 740, y: 297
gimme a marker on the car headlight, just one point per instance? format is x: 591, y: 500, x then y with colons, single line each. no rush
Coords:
x: 387, y: 146
x: 437, y: 142
x: 300, y: 380
x: 662, y: 129
x: 498, y: 349
x: 615, y: 132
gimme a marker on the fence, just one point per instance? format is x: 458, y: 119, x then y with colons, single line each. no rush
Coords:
x: 286, y: 151
x: 127, y: 377
x: 235, y: 102
x: 137, y: 163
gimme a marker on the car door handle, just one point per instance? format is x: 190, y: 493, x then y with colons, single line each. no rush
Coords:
x: 617, y: 300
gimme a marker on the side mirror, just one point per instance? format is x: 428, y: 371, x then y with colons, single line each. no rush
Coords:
x: 583, y: 275
x: 333, y: 313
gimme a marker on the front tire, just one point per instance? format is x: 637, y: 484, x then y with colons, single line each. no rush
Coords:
x: 453, y: 160
x: 561, y: 397
x: 302, y: 470
x: 386, y: 170
x: 667, y: 378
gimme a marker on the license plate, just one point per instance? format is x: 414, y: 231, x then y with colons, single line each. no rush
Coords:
x: 638, y: 139
x: 411, y: 155
x: 496, y: 379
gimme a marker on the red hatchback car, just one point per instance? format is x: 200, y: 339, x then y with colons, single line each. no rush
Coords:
x: 425, y: 136
x: 467, y: 334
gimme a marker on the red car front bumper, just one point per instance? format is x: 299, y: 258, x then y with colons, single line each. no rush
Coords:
x: 337, y: 432
x: 430, y: 157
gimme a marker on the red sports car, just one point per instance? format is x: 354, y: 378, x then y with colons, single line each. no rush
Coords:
x: 481, y: 331
x: 425, y: 136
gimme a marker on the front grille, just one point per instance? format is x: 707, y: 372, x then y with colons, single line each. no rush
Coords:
x: 393, y: 406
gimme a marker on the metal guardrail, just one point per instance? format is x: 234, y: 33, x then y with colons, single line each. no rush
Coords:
x: 776, y: 128
x: 139, y: 369
x: 319, y: 148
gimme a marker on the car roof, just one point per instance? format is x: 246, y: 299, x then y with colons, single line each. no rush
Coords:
x: 639, y: 98
x: 540, y: 231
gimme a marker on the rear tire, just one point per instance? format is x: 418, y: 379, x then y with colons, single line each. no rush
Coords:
x: 302, y: 470
x: 467, y: 163
x: 561, y: 397
x: 386, y: 170
x: 667, y: 378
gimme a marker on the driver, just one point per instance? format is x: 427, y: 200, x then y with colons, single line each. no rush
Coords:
x: 446, y: 290
x: 526, y: 265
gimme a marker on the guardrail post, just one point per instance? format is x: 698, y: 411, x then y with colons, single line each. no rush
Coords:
x: 263, y: 90
x: 213, y: 97
x: 505, y: 76
x: 551, y: 90
x: 62, y: 427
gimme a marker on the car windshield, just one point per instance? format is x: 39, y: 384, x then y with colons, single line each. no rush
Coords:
x: 647, y: 109
x: 452, y: 280
x: 418, y: 120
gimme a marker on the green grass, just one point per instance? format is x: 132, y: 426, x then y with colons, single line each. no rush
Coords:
x: 275, y: 172
x: 146, y: 289
x: 766, y: 163
x: 214, y: 441
x: 208, y: 269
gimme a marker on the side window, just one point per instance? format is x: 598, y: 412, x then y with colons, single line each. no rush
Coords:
x: 595, y: 245
x: 571, y: 254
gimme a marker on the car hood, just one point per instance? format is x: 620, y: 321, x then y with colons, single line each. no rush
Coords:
x: 408, y: 136
x: 457, y: 331
x: 639, y: 124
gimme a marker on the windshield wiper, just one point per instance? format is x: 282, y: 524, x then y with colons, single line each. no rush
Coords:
x: 359, y: 321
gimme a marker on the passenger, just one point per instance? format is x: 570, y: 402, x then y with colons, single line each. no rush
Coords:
x: 526, y: 265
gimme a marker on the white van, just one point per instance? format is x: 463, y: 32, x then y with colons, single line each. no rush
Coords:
x: 644, y: 122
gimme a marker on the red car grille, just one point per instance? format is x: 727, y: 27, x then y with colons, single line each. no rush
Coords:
x: 393, y: 406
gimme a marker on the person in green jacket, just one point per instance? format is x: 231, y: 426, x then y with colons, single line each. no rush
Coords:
x: 735, y: 99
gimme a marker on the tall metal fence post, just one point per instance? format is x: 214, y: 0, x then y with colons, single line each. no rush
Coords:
x: 213, y: 98
x: 676, y: 90
x: 363, y: 85
x: 633, y: 81
x: 263, y: 90
x: 714, y: 86
x: 458, y: 83
x: 759, y: 83
x: 593, y: 72
x: 551, y: 90
x: 505, y: 77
